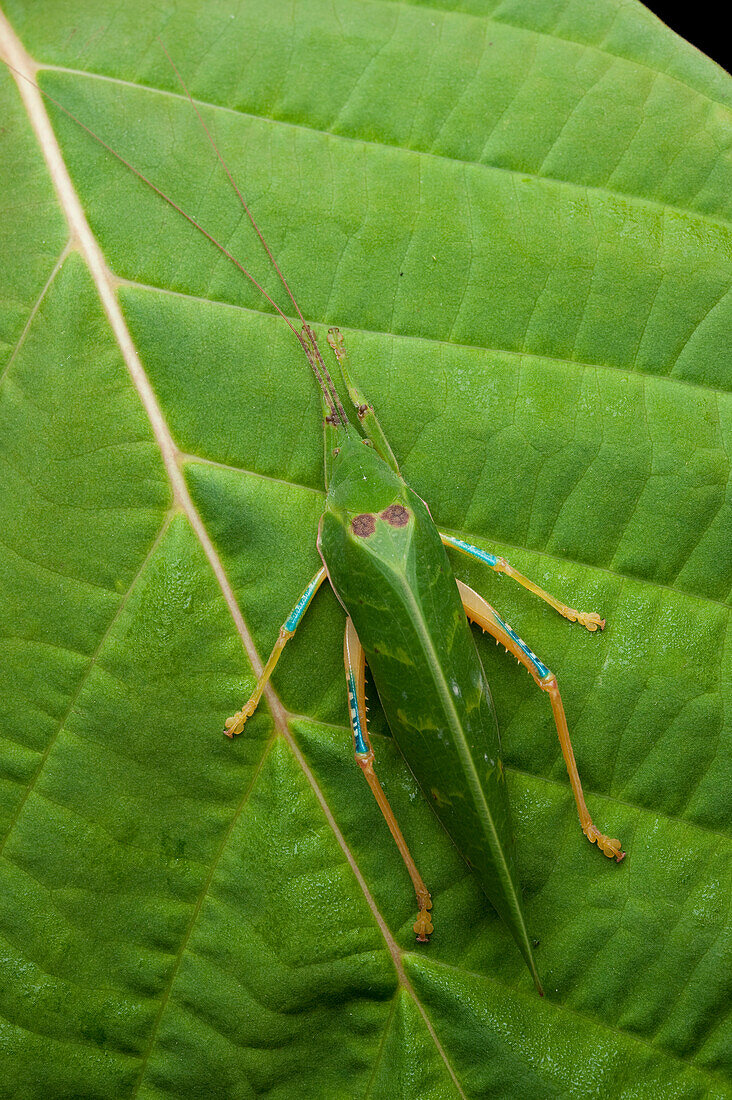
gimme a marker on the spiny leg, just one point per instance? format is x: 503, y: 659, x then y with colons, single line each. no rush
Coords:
x: 589, y: 619
x: 235, y: 724
x: 355, y: 662
x: 366, y: 415
x: 481, y: 612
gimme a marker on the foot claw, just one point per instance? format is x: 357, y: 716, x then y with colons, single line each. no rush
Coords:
x: 606, y: 844
x: 592, y: 621
x: 234, y: 725
x: 423, y: 927
x: 589, y: 619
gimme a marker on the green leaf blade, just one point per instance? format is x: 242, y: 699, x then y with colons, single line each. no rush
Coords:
x: 565, y: 166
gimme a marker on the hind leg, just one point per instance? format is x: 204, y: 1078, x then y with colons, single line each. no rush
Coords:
x: 480, y: 611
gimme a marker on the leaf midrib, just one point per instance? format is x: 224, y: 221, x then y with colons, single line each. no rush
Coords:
x: 402, y: 979
x: 101, y: 276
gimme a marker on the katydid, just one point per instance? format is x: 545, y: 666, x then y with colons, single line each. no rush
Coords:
x: 407, y: 617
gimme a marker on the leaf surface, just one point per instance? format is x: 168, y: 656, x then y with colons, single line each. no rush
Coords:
x: 518, y: 213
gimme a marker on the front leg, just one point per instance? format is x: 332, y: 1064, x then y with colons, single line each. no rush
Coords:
x: 234, y: 725
x: 365, y: 410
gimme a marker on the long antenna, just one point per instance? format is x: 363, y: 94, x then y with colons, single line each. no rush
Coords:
x: 320, y: 368
x: 232, y: 181
x: 306, y: 339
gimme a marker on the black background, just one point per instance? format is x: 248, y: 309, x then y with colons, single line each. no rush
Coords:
x: 701, y: 22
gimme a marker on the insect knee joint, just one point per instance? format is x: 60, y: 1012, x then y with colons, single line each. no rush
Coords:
x: 549, y: 682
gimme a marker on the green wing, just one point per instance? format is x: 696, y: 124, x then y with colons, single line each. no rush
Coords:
x: 396, y: 583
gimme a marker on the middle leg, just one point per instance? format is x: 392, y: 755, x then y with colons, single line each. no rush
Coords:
x: 589, y: 619
x: 355, y: 662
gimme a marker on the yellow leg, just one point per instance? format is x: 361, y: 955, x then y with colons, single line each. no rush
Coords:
x: 355, y: 662
x: 481, y: 612
x: 589, y: 619
x: 235, y: 724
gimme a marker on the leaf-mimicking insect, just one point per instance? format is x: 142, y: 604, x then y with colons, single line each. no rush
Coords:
x: 408, y: 618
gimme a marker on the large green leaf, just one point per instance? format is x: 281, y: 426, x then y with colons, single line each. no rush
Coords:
x: 518, y: 212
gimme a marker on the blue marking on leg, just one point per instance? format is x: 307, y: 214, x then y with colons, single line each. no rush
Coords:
x: 359, y: 741
x: 538, y: 665
x: 302, y: 604
x: 474, y: 551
